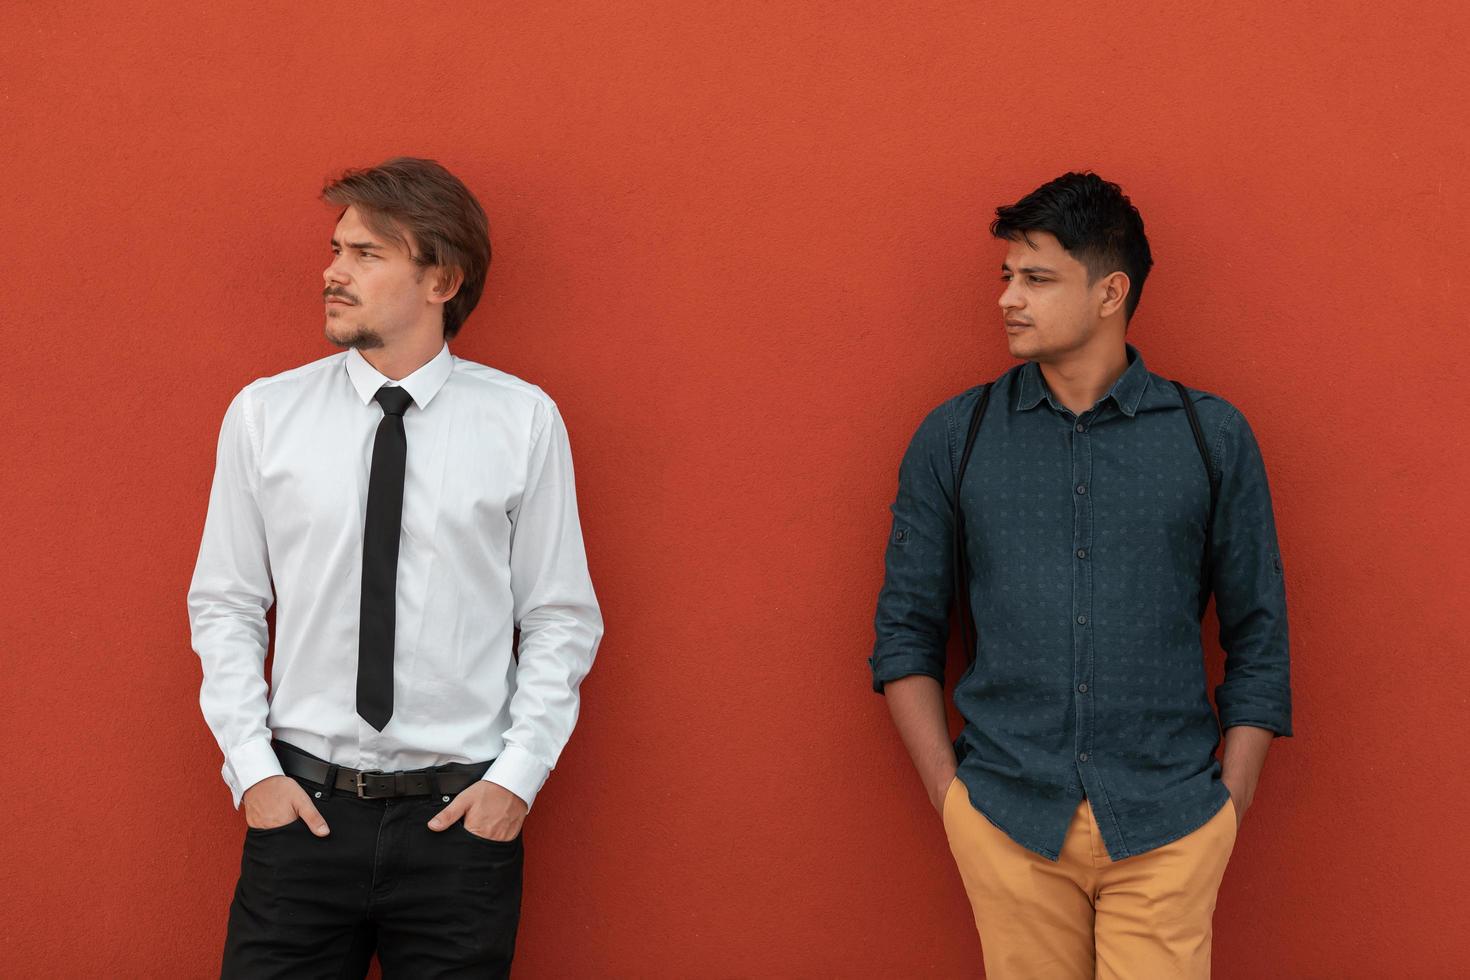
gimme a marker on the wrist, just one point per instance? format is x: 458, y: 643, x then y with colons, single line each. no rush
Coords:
x: 939, y: 785
x: 1242, y: 789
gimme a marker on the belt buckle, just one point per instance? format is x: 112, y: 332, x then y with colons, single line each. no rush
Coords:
x: 359, y: 781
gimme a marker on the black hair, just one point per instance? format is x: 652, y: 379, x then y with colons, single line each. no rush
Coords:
x: 1093, y: 220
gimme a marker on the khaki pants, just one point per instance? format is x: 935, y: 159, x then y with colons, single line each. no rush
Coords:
x: 1146, y: 916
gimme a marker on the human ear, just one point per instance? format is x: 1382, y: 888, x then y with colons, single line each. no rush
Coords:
x: 1114, y: 292
x: 446, y: 284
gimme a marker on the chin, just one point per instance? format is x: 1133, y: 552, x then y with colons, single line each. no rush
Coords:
x: 337, y: 336
x: 1021, y: 346
x: 361, y: 338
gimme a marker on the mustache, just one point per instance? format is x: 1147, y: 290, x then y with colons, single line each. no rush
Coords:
x: 342, y: 294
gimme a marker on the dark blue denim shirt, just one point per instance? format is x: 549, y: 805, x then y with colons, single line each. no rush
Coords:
x: 1086, y: 537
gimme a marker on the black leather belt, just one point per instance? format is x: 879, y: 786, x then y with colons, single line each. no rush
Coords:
x: 375, y: 784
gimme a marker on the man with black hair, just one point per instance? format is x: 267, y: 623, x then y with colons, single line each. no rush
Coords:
x: 1084, y: 509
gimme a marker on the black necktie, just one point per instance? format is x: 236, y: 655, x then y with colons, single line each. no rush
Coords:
x: 380, y: 561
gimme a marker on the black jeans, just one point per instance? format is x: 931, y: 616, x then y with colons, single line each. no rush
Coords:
x: 432, y: 904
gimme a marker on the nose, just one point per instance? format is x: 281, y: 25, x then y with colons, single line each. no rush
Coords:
x: 333, y: 275
x: 1010, y: 298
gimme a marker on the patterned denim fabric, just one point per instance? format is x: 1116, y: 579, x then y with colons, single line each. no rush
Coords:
x: 1086, y: 537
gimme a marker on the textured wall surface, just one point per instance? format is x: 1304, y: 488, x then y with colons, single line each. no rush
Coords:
x: 743, y: 246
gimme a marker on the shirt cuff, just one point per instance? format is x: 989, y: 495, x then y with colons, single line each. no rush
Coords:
x: 1279, y: 725
x: 248, y: 764
x: 520, y: 772
x: 894, y: 666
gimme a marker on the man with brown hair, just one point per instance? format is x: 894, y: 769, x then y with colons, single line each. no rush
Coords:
x: 409, y: 510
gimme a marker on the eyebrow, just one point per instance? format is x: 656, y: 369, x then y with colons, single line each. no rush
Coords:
x: 1028, y: 269
x: 358, y: 245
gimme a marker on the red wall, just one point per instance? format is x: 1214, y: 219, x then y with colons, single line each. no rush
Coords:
x: 743, y: 245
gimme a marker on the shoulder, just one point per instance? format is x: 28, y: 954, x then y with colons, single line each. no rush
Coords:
x: 494, y: 383
x: 946, y: 424
x: 1223, y: 422
x: 295, y: 377
x: 284, y: 385
x: 958, y: 409
x: 504, y: 391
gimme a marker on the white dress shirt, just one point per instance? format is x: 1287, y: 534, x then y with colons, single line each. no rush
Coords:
x: 490, y: 542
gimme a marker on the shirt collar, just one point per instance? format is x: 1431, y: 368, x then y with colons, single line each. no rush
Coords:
x: 422, y: 385
x: 1127, y: 391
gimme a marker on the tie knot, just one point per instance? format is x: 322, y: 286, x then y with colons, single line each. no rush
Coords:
x: 395, y: 400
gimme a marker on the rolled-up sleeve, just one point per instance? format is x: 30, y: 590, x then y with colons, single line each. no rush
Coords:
x: 912, y: 621
x: 1250, y: 588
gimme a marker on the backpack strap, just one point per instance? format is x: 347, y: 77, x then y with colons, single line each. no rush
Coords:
x: 961, y: 555
x: 1204, y: 454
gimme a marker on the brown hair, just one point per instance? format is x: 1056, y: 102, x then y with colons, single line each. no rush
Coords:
x: 436, y: 209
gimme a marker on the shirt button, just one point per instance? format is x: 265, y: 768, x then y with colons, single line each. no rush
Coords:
x: 1082, y: 757
x: 1081, y: 619
x: 1081, y: 427
x: 1081, y: 552
x: 1082, y: 688
x: 1081, y: 488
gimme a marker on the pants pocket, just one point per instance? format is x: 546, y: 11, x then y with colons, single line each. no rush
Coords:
x: 512, y: 843
x: 258, y: 832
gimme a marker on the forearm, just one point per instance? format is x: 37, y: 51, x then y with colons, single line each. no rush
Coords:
x: 557, y: 646
x: 916, y: 703
x: 227, y: 601
x: 1245, y: 755
x: 229, y: 595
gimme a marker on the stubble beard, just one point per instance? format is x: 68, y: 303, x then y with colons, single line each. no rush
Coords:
x: 362, y: 338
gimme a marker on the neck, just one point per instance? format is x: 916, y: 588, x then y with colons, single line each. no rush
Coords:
x: 1079, y: 378
x: 398, y: 360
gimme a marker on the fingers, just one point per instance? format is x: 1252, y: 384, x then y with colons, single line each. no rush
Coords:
x: 501, y: 829
x: 310, y: 815
x: 447, y: 816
